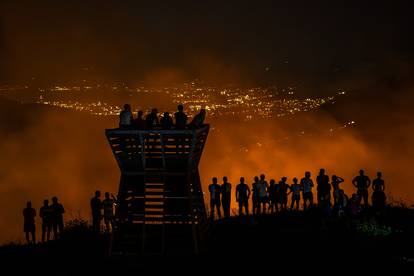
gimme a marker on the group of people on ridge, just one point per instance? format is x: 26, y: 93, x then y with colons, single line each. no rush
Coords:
x: 273, y: 196
x: 52, y: 220
x: 153, y: 121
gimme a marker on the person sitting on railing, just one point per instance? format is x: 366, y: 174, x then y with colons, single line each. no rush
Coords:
x: 180, y: 118
x: 139, y: 122
x: 125, y: 117
x: 198, y: 119
x: 151, y: 120
x: 166, y: 121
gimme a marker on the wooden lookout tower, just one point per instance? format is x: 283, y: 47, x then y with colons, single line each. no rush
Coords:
x: 160, y: 206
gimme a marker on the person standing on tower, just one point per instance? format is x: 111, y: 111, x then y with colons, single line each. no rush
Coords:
x: 125, y: 117
x: 180, y: 118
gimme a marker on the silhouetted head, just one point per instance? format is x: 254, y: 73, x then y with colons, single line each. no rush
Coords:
x: 295, y: 180
x: 242, y: 179
x: 107, y: 195
x: 214, y: 179
x: 256, y: 178
x: 361, y: 172
x: 46, y: 202
x: 203, y: 111
x: 262, y: 177
x: 307, y: 174
x: 272, y: 181
x: 98, y: 194
x: 321, y: 171
x: 127, y: 107
x: 29, y: 204
x: 180, y: 107
x: 334, y: 177
x: 54, y: 199
x: 154, y: 111
x: 341, y: 192
x: 166, y: 114
x: 284, y: 179
x: 140, y: 113
x: 379, y: 174
x: 225, y: 179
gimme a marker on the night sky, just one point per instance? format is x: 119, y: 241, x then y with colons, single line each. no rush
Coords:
x: 217, y: 41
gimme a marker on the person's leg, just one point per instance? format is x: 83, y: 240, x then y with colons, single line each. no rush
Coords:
x: 218, y: 210
x: 212, y: 206
x: 33, y: 236
x: 43, y: 232
x: 297, y: 204
x: 48, y: 232
x: 310, y: 199
x: 304, y: 202
x: 107, y: 225
x: 55, y: 234
x: 366, y: 198
x: 27, y: 237
x: 240, y: 208
x: 246, y: 207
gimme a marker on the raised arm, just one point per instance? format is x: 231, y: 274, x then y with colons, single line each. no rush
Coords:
x: 354, y: 181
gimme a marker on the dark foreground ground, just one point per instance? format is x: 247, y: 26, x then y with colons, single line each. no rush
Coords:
x: 289, y: 241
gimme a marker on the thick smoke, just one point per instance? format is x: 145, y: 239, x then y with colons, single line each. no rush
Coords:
x: 47, y: 152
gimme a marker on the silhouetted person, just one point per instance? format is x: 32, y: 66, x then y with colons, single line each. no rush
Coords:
x: 29, y: 225
x: 46, y: 214
x: 362, y: 183
x: 255, y: 195
x: 96, y: 209
x: 341, y: 203
x: 151, y: 120
x: 180, y: 118
x: 166, y: 121
x: 307, y: 185
x: 242, y: 196
x: 295, y: 188
x: 214, y: 190
x: 378, y: 195
x: 283, y: 192
x: 125, y: 117
x: 57, y: 217
x: 198, y: 119
x: 226, y: 197
x: 323, y: 189
x: 336, y: 180
x: 139, y: 122
x: 274, y: 196
x: 108, y: 208
x: 262, y: 187
x: 355, y: 205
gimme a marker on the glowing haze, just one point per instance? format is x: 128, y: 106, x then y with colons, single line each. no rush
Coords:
x: 317, y: 47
